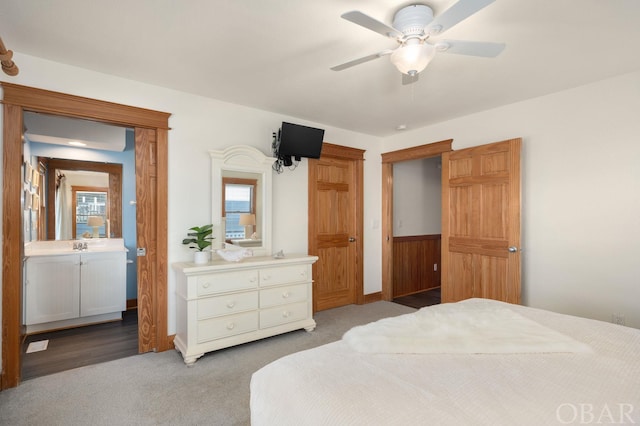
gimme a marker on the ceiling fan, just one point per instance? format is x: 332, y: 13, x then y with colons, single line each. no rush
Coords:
x: 413, y: 28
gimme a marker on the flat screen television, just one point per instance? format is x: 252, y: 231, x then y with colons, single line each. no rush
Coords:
x: 299, y: 141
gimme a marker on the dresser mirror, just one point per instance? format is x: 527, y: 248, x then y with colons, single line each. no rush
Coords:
x: 241, y: 199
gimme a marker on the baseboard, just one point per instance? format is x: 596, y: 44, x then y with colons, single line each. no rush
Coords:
x: 373, y: 297
x: 132, y: 304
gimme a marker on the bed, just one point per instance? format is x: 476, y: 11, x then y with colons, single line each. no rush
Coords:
x: 475, y: 362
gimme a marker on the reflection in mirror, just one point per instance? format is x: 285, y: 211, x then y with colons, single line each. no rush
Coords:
x: 80, y: 190
x: 81, y: 204
x: 241, y: 199
x: 241, y: 208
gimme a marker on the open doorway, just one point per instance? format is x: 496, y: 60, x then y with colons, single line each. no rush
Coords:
x: 151, y: 153
x: 73, y: 192
x: 417, y: 225
x: 389, y: 160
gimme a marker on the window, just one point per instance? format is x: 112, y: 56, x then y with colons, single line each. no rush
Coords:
x: 89, y: 201
x: 239, y: 196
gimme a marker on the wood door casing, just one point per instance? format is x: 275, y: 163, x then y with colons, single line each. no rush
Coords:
x: 388, y: 160
x: 16, y: 100
x: 335, y: 216
x: 481, y: 220
x: 146, y: 182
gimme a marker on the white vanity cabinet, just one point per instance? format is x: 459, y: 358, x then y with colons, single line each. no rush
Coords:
x: 103, y: 283
x: 52, y: 289
x: 223, y: 304
x: 74, y: 289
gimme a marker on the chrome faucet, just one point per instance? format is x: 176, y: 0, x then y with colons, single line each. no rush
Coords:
x: 80, y: 246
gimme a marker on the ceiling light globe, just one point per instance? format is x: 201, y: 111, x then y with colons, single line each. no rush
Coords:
x: 410, y: 59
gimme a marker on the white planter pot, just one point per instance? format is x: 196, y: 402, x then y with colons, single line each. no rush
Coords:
x: 201, y: 257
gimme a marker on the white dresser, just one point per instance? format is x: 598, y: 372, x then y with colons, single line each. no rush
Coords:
x: 222, y: 304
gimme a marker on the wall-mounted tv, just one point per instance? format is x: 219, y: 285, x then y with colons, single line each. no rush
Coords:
x: 299, y: 141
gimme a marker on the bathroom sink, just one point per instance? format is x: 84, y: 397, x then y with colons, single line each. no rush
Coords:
x: 56, y: 248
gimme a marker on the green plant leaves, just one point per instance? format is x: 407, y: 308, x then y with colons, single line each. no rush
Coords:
x: 200, y: 237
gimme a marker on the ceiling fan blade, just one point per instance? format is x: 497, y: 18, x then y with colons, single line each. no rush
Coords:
x: 361, y: 60
x: 455, y: 14
x: 409, y: 79
x: 471, y: 48
x: 371, y: 24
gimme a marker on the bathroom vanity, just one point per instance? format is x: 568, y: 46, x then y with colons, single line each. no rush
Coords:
x: 73, y: 283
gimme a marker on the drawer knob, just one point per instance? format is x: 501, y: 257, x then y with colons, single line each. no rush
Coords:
x: 286, y: 314
x: 231, y: 304
x: 285, y: 295
x: 231, y: 326
x: 252, y: 279
x: 206, y: 285
x: 267, y: 277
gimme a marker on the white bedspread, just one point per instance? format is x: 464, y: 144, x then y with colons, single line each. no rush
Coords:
x: 337, y: 385
x: 453, y: 328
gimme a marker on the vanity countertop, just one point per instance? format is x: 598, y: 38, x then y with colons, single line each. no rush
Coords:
x: 56, y: 248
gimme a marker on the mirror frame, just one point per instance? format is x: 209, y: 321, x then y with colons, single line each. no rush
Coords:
x: 241, y: 158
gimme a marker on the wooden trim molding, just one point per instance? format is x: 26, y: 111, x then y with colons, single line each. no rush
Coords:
x: 16, y: 100
x: 388, y: 159
x: 346, y: 152
x: 12, y: 246
x: 373, y: 297
x: 39, y: 100
x: 417, y: 152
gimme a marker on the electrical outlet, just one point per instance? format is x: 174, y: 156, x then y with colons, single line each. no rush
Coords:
x: 617, y: 318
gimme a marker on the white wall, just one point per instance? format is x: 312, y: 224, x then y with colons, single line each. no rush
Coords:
x: 417, y: 202
x: 198, y: 125
x: 581, y: 192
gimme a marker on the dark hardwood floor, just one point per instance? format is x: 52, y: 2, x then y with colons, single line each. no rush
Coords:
x: 420, y: 300
x: 77, y: 347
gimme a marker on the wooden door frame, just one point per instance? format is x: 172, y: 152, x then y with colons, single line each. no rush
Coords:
x: 357, y: 155
x: 16, y: 100
x: 388, y: 160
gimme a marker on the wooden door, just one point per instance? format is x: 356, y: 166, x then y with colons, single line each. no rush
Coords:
x: 335, y: 226
x: 481, y: 222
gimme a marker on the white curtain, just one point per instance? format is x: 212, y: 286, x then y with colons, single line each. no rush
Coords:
x: 63, y: 211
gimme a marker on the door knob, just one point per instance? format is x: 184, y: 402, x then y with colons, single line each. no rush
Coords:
x: 352, y: 239
x: 513, y: 249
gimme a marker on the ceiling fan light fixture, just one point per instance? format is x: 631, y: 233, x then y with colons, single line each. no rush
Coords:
x: 412, y: 58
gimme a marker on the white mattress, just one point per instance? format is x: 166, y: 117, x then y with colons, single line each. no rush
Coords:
x: 337, y: 385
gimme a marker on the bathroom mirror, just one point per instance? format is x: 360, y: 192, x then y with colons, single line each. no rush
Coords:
x: 86, y: 174
x: 241, y: 199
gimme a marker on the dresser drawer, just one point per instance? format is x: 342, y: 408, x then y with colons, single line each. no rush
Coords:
x: 284, y: 274
x: 283, y: 295
x: 271, y: 317
x: 217, y: 328
x: 226, y: 281
x: 216, y: 306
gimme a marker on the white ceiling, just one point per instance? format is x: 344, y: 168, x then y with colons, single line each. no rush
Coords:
x: 276, y: 54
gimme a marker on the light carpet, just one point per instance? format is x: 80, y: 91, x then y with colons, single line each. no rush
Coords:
x: 158, y: 389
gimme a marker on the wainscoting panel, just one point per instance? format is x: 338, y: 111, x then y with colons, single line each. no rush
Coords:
x: 414, y: 258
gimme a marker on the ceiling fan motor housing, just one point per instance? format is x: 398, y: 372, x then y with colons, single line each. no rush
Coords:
x: 412, y: 20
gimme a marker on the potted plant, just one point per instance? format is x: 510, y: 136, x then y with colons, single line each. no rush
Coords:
x: 199, y: 239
